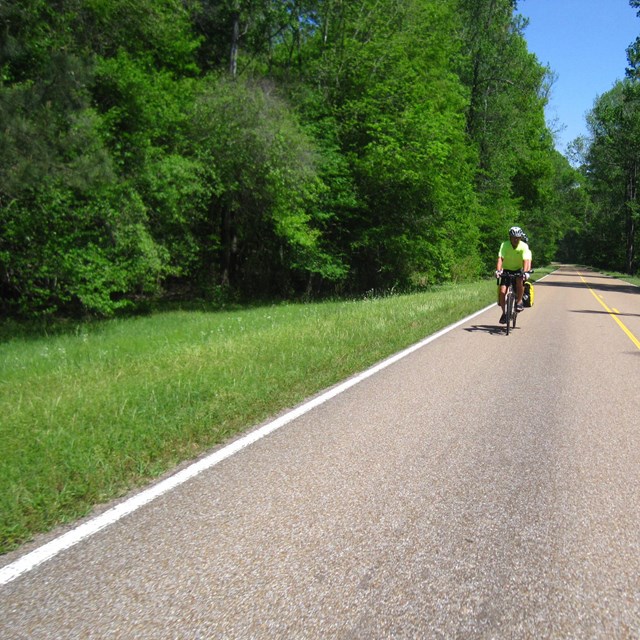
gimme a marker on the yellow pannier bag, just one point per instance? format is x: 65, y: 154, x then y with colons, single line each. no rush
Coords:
x: 527, y: 298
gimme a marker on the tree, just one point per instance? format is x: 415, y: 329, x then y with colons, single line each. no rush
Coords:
x: 508, y: 89
x: 386, y: 89
x: 239, y: 35
x: 265, y: 191
x: 265, y: 146
x: 74, y: 231
x: 612, y: 164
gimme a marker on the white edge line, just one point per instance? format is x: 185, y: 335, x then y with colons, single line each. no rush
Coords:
x: 47, y: 551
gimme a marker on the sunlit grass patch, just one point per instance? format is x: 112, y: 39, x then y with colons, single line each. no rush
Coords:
x: 86, y: 417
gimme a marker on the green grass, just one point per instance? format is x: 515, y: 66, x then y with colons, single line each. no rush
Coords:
x: 86, y: 416
x: 624, y: 276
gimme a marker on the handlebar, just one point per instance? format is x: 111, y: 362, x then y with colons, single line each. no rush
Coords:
x: 515, y: 274
x: 512, y: 274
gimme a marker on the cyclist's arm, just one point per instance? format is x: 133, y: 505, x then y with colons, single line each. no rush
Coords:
x: 499, y: 264
x: 526, y: 260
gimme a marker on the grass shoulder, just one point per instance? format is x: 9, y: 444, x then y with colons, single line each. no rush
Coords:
x: 625, y: 277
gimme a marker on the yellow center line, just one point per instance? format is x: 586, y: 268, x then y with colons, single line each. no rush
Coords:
x: 612, y: 313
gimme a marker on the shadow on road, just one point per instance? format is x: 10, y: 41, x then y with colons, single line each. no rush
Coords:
x: 606, y: 313
x: 486, y: 328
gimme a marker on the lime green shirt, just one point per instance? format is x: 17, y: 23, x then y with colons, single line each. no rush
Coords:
x: 513, y: 259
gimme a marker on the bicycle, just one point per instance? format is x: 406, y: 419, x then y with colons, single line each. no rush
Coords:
x: 510, y: 298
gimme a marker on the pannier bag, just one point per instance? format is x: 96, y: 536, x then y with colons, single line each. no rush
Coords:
x: 527, y: 298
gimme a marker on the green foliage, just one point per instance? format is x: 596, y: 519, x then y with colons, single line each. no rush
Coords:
x: 611, y: 163
x: 267, y: 185
x: 31, y: 30
x: 242, y: 33
x: 50, y: 131
x: 75, y: 236
x: 142, y: 110
x: 177, y: 190
x: 158, y: 32
x: 505, y: 120
x: 60, y: 254
x: 395, y: 105
x: 264, y: 148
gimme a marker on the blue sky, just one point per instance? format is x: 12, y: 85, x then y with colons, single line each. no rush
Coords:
x: 584, y: 42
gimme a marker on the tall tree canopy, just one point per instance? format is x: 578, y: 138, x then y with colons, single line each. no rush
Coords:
x: 609, y: 227
x: 611, y: 166
x: 262, y: 147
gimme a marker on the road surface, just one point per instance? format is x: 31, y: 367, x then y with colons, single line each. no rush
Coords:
x: 484, y: 486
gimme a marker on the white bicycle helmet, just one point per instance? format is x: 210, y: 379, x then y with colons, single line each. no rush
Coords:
x: 516, y: 232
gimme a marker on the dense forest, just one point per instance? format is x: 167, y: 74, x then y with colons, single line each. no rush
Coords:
x: 249, y: 149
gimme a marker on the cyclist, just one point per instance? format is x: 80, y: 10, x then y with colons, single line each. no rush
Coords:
x: 514, y: 257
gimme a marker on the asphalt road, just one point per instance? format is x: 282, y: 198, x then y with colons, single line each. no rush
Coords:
x: 483, y: 487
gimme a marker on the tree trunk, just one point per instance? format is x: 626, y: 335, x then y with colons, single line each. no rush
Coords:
x: 632, y: 185
x: 235, y: 41
x: 228, y: 249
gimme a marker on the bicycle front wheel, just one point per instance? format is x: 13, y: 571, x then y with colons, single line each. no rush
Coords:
x: 509, y: 308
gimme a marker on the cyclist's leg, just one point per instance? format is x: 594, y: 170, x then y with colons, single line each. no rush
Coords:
x: 501, y: 296
x: 519, y: 290
x: 501, y: 302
